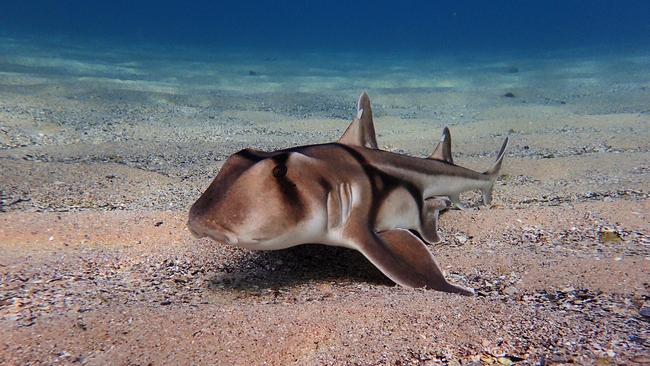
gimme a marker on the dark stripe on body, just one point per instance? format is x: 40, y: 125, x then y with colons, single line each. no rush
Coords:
x: 253, y: 155
x: 288, y: 188
x: 422, y: 165
x: 381, y: 184
x: 327, y: 187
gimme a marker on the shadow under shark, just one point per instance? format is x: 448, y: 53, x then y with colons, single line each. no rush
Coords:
x: 348, y: 194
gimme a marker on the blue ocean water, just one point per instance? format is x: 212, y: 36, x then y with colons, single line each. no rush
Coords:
x: 336, y: 25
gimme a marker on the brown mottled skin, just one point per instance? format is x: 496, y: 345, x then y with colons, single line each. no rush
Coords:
x: 347, y: 193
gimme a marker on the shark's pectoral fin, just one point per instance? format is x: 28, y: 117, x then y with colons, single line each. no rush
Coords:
x: 361, y: 132
x: 404, y: 258
x: 429, y: 218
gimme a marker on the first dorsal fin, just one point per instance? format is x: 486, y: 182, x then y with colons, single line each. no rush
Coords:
x: 442, y: 151
x: 361, y: 131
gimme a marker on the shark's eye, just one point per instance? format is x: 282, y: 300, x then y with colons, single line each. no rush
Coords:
x: 280, y: 171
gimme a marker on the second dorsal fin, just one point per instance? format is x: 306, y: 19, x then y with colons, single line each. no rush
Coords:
x: 442, y: 151
x: 361, y: 131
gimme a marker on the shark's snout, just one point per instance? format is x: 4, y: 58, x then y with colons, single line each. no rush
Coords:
x: 201, y: 229
x: 196, y: 234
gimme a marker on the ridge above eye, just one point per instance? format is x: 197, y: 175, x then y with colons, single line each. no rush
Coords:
x: 279, y: 171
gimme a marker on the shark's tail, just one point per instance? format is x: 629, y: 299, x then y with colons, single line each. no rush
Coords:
x: 493, y: 173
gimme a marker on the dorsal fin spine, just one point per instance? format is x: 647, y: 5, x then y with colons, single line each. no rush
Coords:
x: 361, y: 131
x: 442, y: 150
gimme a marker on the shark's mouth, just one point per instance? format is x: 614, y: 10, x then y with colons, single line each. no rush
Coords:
x: 218, y: 234
x: 194, y: 233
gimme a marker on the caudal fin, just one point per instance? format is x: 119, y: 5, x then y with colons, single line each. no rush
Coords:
x: 493, y: 173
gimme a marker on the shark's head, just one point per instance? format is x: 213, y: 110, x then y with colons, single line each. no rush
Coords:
x: 257, y: 201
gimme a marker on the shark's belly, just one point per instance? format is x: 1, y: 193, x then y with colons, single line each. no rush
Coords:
x: 398, y: 210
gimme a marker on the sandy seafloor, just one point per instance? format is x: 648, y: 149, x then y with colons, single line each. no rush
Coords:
x: 103, y: 149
